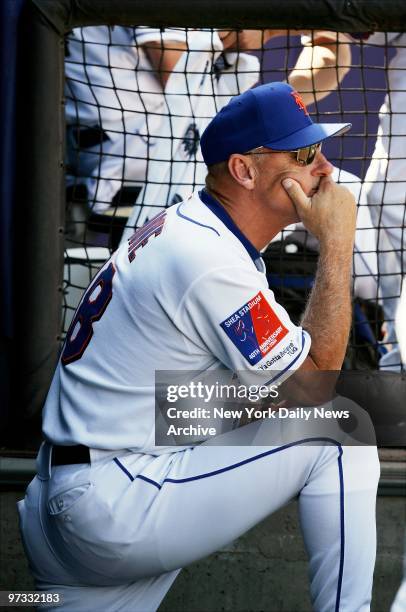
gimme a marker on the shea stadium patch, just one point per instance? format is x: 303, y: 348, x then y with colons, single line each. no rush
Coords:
x: 254, y: 329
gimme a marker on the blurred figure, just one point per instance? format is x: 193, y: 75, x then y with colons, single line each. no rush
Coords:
x: 113, y: 105
x: 139, y: 94
x: 385, y: 188
x: 383, y: 191
x: 215, y: 66
x: 321, y: 66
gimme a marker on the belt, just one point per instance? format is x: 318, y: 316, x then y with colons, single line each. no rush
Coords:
x: 65, y: 455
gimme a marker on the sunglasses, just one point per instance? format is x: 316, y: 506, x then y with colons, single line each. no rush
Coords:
x: 304, y: 156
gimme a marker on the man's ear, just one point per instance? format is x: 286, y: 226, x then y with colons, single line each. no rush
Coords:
x: 242, y: 170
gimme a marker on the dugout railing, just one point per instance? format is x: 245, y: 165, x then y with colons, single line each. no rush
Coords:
x: 40, y: 202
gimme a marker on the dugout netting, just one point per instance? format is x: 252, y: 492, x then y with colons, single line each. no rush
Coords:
x: 117, y: 113
x: 133, y: 129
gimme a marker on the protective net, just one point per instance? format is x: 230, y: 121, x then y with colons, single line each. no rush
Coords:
x: 137, y: 101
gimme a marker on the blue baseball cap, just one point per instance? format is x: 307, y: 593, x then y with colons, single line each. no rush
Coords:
x: 271, y: 115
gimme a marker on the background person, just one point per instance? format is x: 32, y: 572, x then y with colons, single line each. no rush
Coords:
x: 384, y: 187
x: 138, y: 94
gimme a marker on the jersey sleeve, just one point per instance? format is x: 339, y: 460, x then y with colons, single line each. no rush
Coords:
x: 234, y: 315
x: 239, y: 72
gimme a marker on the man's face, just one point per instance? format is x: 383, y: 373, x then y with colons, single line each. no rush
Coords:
x: 273, y: 167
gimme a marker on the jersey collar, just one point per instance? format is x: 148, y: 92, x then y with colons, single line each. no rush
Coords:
x: 225, y: 218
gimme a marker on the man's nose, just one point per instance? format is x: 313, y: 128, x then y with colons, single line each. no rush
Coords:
x: 321, y: 165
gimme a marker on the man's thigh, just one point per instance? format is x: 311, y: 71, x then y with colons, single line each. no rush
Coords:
x: 134, y: 515
x: 145, y: 515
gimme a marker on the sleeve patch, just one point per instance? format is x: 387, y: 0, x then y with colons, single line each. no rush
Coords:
x: 254, y: 328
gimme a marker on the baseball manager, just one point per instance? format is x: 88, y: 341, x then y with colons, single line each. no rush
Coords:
x: 111, y: 517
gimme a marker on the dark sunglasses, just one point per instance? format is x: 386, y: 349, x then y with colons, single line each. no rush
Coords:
x: 303, y: 156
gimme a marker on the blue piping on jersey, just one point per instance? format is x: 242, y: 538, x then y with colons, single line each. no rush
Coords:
x: 220, y: 212
x: 290, y: 364
x: 260, y: 456
x: 182, y: 216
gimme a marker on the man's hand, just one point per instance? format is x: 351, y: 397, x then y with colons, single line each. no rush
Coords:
x: 330, y: 214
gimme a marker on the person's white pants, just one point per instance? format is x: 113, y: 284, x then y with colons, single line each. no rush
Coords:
x: 113, y: 534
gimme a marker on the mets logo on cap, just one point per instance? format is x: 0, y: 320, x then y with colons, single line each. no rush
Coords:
x: 298, y: 99
x: 255, y: 329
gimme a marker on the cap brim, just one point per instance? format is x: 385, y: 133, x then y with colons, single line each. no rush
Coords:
x: 311, y: 134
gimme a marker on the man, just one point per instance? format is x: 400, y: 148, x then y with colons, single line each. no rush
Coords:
x: 106, y: 107
x: 112, y: 517
x: 137, y: 96
x: 176, y: 167
x: 384, y: 189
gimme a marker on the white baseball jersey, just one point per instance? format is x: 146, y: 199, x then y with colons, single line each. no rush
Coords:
x: 385, y: 186
x: 202, y: 82
x: 187, y: 292
x: 111, y: 86
x: 109, y: 75
x: 151, y: 136
x: 401, y: 323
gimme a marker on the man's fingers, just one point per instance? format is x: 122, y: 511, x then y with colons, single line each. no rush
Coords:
x: 325, y: 181
x: 296, y: 193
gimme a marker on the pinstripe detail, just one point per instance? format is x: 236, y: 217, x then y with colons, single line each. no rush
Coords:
x: 121, y: 466
x: 261, y: 456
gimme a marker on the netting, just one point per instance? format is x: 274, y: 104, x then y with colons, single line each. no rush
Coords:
x: 138, y: 100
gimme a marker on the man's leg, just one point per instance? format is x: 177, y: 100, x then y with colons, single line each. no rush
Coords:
x: 146, y: 516
x: 203, y: 510
x: 54, y: 576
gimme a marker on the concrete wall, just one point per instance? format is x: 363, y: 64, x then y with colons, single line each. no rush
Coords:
x: 263, y: 571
